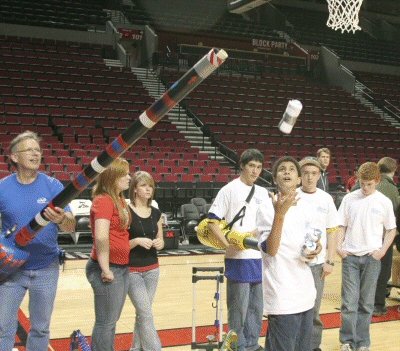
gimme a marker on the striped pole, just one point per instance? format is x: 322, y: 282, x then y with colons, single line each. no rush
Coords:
x: 179, y: 90
x: 148, y: 119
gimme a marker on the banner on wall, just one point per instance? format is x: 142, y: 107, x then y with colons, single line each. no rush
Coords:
x: 131, y: 34
x: 277, y: 47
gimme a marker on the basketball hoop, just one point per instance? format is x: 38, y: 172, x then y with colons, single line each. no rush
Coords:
x: 343, y: 15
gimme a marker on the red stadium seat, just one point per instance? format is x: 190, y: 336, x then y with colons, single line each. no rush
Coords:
x: 171, y: 178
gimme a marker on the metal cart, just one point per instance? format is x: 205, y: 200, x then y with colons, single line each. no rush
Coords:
x: 214, y: 341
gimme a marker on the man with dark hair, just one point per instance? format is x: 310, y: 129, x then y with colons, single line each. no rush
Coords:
x: 367, y: 228
x: 324, y: 158
x: 387, y: 168
x: 23, y: 194
x: 286, y: 273
x: 243, y: 268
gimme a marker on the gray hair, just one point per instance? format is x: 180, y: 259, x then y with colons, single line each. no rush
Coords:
x: 22, y: 137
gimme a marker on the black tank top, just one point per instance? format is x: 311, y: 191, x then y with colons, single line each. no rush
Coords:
x: 143, y: 228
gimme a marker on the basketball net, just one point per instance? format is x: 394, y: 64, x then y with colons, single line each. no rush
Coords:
x: 343, y: 15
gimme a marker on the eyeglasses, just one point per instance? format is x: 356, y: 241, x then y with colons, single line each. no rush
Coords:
x: 31, y: 150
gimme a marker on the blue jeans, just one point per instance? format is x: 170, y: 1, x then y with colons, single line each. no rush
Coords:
x: 359, y: 277
x: 245, y: 311
x: 42, y: 286
x: 109, y: 298
x: 289, y: 332
x: 141, y: 291
x: 318, y: 327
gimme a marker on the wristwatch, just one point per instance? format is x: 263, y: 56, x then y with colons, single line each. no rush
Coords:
x: 331, y: 263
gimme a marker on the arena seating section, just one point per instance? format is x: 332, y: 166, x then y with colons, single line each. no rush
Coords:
x: 71, y: 14
x: 245, y: 112
x: 65, y: 92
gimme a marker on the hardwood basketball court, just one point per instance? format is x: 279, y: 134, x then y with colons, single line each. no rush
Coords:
x: 173, y: 307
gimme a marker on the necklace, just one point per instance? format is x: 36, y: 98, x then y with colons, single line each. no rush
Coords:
x: 142, y: 226
x: 142, y: 222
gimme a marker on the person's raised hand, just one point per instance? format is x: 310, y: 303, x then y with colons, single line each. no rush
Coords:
x: 282, y: 203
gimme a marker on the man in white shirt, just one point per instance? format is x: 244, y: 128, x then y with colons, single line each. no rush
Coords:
x: 322, y: 218
x: 243, y: 268
x: 290, y: 320
x: 367, y: 229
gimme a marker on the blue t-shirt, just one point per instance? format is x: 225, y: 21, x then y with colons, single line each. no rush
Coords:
x: 19, y: 203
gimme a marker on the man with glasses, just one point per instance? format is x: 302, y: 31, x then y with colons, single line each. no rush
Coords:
x: 23, y: 194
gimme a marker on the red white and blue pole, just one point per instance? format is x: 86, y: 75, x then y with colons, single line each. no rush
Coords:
x: 11, y: 256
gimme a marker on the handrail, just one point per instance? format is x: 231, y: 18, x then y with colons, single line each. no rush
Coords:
x: 394, y: 110
x: 384, y: 104
x: 229, y: 154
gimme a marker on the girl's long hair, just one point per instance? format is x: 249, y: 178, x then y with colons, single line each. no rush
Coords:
x: 107, y: 184
x: 137, y: 177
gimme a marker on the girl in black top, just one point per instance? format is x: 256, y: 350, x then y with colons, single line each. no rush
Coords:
x: 146, y: 238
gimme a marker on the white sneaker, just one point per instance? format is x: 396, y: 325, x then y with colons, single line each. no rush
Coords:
x: 363, y: 348
x: 345, y: 347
